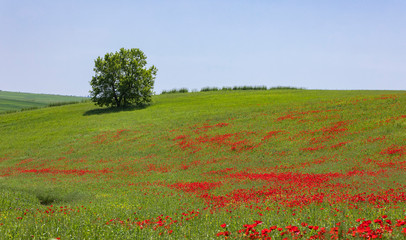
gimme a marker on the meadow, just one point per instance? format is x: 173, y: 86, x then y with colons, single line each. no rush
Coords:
x: 280, y: 164
x: 16, y: 101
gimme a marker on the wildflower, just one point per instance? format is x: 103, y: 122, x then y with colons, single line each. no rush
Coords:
x: 226, y: 233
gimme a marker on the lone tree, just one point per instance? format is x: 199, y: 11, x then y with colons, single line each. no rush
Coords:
x: 121, y: 79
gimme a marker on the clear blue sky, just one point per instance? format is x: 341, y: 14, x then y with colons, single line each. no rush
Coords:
x: 50, y: 46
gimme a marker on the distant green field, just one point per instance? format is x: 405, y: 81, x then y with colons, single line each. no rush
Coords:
x: 280, y: 164
x: 15, y: 101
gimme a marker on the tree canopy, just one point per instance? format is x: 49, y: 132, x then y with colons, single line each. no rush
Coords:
x: 121, y: 79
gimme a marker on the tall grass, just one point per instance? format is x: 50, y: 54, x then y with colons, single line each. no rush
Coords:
x: 207, y: 165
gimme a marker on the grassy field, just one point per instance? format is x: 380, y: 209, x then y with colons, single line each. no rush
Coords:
x: 286, y: 164
x: 16, y: 101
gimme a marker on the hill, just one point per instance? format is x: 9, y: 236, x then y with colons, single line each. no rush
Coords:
x: 301, y: 164
x: 15, y: 101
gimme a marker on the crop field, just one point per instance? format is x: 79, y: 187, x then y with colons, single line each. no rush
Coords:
x: 15, y: 101
x: 275, y: 164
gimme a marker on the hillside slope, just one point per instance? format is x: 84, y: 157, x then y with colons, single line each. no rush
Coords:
x: 14, y: 101
x: 189, y: 163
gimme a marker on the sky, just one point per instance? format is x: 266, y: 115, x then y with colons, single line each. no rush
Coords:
x: 50, y: 46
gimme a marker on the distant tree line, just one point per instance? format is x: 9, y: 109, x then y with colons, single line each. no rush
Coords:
x: 181, y: 90
x: 207, y: 89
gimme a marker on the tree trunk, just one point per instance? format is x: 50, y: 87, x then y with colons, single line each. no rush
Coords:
x: 115, y: 96
x: 117, y: 100
x: 120, y: 99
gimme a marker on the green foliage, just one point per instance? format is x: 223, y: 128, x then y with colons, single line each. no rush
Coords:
x: 207, y: 89
x: 250, y: 88
x: 285, y: 88
x: 121, y: 79
x: 181, y: 90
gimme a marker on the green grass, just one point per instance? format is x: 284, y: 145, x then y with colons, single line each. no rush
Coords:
x: 190, y: 162
x: 16, y: 101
